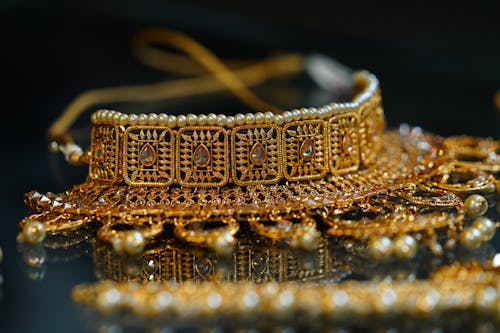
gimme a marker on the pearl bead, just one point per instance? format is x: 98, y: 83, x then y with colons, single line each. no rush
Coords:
x: 296, y: 114
x: 405, y: 246
x: 259, y: 118
x: 211, y: 119
x: 33, y: 232
x: 287, y: 116
x: 191, y: 119
x: 143, y: 119
x: 222, y: 243
x: 310, y: 240
x: 133, y: 242
x: 221, y: 120
x: 103, y: 115
x: 249, y: 118
x: 108, y: 300
x: 475, y: 205
x: 133, y: 119
x: 268, y: 117
x: 380, y: 248
x: 230, y: 121
x: 486, y: 226
x: 181, y: 120
x: 162, y: 119
x: 202, y: 120
x: 123, y: 119
x: 153, y: 119
x: 278, y: 119
x: 53, y: 146
x: 116, y: 117
x: 172, y: 121
x: 239, y: 119
x: 470, y: 238
x: 313, y: 113
x: 304, y: 113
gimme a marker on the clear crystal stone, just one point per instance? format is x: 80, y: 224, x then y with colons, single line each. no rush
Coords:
x: 258, y: 154
x: 147, y: 155
x: 201, y: 157
x: 307, y: 150
x: 347, y: 143
x: 203, y: 267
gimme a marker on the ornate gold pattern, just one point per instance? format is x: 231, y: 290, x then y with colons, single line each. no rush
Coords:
x: 202, y: 156
x: 148, y: 159
x: 104, y: 159
x: 344, y: 149
x: 305, y: 153
x: 371, y: 128
x: 256, y: 154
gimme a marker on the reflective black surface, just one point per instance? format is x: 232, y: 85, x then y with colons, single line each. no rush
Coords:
x: 438, y: 67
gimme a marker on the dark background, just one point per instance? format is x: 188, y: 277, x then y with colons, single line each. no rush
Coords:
x: 439, y: 66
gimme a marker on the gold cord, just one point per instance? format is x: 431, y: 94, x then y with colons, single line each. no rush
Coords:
x: 211, y: 75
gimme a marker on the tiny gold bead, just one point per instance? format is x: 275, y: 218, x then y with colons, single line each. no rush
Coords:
x: 172, y: 121
x: 404, y: 247
x: 380, y: 248
x: 249, y: 118
x: 221, y: 120
x: 191, y: 119
x: 486, y: 226
x: 33, y: 232
x: 211, y: 119
x: 259, y: 118
x: 239, y: 119
x: 74, y: 158
x: 202, y: 120
x: 181, y: 120
x: 133, y: 242
x: 497, y: 185
x: 475, y: 205
x: 470, y: 238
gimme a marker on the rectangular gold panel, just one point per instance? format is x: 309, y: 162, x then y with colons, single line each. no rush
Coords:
x: 305, y: 150
x: 148, y: 157
x: 103, y: 165
x: 202, y: 156
x: 344, y: 143
x: 256, y: 154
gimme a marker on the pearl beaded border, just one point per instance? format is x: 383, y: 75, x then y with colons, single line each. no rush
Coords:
x: 162, y: 119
